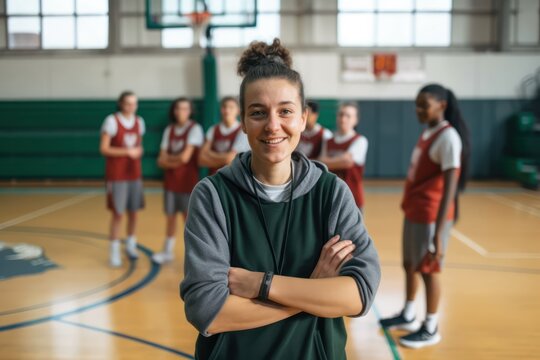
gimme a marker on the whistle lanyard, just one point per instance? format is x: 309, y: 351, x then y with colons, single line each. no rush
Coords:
x: 277, y: 264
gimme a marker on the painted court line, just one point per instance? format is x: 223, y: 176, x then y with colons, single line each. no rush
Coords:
x: 47, y: 210
x: 149, y: 277
x: 514, y: 204
x: 128, y: 337
x: 469, y: 242
x: 483, y: 252
x: 389, y: 339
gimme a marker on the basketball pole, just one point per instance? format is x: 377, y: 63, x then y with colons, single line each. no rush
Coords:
x: 210, y: 91
x: 210, y: 100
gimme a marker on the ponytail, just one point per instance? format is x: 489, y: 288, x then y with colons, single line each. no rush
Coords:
x: 454, y: 117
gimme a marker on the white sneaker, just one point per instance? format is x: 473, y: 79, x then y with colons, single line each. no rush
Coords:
x: 115, y: 257
x: 162, y: 257
x: 131, y: 248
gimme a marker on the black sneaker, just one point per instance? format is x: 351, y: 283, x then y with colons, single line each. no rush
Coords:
x: 420, y: 338
x: 399, y: 322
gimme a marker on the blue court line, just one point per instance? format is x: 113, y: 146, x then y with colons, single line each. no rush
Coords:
x: 59, y: 234
x: 106, y: 286
x: 389, y: 339
x: 154, y: 271
x: 129, y: 337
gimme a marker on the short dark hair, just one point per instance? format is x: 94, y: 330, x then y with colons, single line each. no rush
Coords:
x: 313, y: 106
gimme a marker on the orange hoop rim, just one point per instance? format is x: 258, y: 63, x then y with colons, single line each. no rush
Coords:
x: 200, y: 18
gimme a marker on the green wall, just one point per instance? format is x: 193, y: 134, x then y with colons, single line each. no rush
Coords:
x: 60, y: 139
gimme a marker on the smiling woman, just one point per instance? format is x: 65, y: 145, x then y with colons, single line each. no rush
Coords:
x: 275, y: 245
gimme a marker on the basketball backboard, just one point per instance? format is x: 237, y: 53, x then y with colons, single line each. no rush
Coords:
x: 162, y: 14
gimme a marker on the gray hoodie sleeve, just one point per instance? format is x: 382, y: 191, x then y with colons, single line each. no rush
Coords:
x: 205, y: 285
x: 346, y: 221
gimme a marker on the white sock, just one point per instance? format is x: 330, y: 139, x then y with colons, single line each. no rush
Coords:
x: 409, y: 311
x: 168, y: 246
x: 114, y: 255
x: 431, y: 322
x: 131, y: 242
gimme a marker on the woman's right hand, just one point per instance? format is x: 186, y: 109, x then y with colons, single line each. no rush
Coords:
x: 333, y: 255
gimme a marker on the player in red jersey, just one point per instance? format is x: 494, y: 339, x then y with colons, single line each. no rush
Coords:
x: 313, y: 137
x: 345, y: 153
x: 437, y: 172
x: 121, y: 144
x: 224, y: 140
x: 178, y: 157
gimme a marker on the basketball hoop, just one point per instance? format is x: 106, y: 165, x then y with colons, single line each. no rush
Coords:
x: 199, y: 24
x: 384, y: 66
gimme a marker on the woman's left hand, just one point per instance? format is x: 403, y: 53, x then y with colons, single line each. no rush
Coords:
x: 245, y: 283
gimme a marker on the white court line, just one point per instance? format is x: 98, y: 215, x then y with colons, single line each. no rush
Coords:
x: 47, y: 210
x: 514, y: 204
x: 469, y: 242
x: 483, y: 252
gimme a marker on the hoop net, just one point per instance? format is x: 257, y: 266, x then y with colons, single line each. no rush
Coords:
x: 199, y: 23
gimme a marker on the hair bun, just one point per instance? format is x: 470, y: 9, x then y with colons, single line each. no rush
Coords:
x: 260, y: 53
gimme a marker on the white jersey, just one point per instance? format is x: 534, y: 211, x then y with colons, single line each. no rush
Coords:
x: 110, y: 127
x: 307, y: 143
x: 358, y: 148
x: 240, y: 144
x: 195, y: 136
x: 446, y: 149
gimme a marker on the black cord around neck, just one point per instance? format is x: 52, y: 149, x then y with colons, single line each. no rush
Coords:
x: 278, y: 266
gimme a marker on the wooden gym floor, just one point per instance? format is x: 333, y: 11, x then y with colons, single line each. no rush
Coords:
x: 82, y: 309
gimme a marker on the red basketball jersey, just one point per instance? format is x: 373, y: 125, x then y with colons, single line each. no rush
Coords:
x: 183, y: 178
x: 425, y: 184
x: 353, y: 176
x: 123, y: 167
x: 223, y: 143
x: 311, y: 146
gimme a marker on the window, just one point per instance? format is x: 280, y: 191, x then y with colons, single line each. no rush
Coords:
x: 268, y: 24
x: 57, y: 24
x: 394, y: 23
x: 525, y: 23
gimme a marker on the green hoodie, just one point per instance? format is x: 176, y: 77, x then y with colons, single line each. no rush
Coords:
x: 225, y: 228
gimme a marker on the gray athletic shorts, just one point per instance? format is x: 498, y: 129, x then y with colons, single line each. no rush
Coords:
x: 125, y: 195
x: 175, y: 202
x: 417, y: 238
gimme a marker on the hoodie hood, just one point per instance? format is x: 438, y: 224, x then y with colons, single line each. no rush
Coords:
x: 306, y: 173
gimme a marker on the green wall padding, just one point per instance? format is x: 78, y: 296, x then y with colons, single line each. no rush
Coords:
x: 60, y: 139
